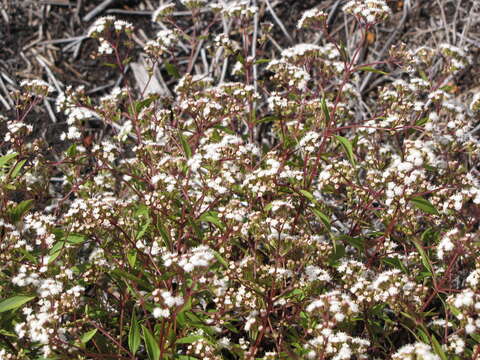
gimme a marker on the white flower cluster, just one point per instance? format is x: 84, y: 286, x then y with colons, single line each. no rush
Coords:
x: 199, y: 257
x: 163, y: 42
x: 99, y: 28
x: 370, y: 11
x: 37, y: 87
x: 104, y: 23
x: 16, y: 128
x: 335, y: 305
x: 168, y: 301
x: 297, y: 77
x: 417, y: 351
x: 337, y: 346
x: 467, y: 303
x: 312, y: 17
x: 238, y: 8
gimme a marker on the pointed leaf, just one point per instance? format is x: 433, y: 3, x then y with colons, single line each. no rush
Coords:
x: 186, y: 146
x: 14, y: 302
x: 371, y: 69
x: 151, y: 344
x: 88, y: 336
x: 6, y: 158
x: 347, y: 147
x: 134, y: 334
x: 424, y: 204
x: 323, y: 218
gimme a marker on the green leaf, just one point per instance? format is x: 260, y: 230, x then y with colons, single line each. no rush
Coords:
x: 172, y: 70
x: 266, y: 119
x: 134, y: 334
x: 372, y: 70
x: 163, y: 232
x: 53, y: 257
x: 325, y: 110
x: 75, y: 238
x: 151, y: 344
x: 71, y: 151
x: 139, y: 105
x: 422, y: 121
x: 212, y: 217
x: 347, y: 147
x: 132, y: 258
x: 14, y: 302
x: 438, y: 348
x: 323, y: 218
x: 424, y: 205
x: 424, y: 257
x: 344, y: 53
x: 6, y: 158
x: 220, y: 259
x: 131, y: 277
x: 143, y: 229
x: 17, y: 168
x: 185, y: 145
x: 337, y: 254
x: 308, y: 195
x: 21, y: 209
x: 88, y: 336
x: 356, y: 242
x: 395, y: 262
x: 262, y: 61
x: 189, y: 339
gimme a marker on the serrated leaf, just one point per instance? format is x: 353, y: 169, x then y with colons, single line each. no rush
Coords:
x: 14, y: 302
x: 347, y: 147
x: 396, y: 263
x: 75, y: 238
x: 438, y: 349
x: 21, y: 209
x: 88, y: 336
x: 424, y: 257
x: 134, y: 334
x: 151, y: 344
x: 143, y: 229
x: 424, y: 205
x: 186, y: 147
x: 325, y: 110
x: 172, y: 70
x: 53, y: 256
x: 323, y: 218
x: 372, y: 70
x: 189, y: 339
x: 17, y: 168
x: 344, y: 53
x: 72, y: 150
x: 6, y: 158
x: 308, y: 195
x: 132, y: 258
x: 139, y: 105
x: 262, y: 61
x: 212, y: 217
x: 220, y: 259
x: 265, y: 119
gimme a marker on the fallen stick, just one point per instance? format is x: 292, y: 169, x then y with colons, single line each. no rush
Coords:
x: 50, y: 110
x: 100, y: 8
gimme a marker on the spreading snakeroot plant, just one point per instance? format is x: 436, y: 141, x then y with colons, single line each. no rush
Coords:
x: 184, y: 232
